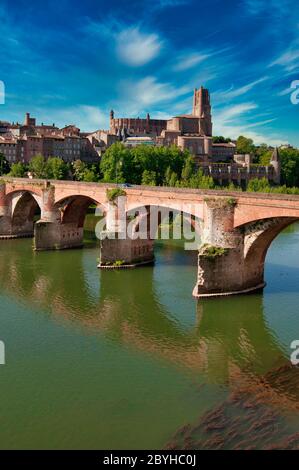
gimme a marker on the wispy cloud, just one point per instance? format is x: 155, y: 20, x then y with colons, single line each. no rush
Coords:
x: 231, y: 93
x: 229, y: 113
x: 230, y: 123
x: 289, y: 59
x: 256, y: 7
x: 285, y: 92
x: 149, y: 57
x: 133, y: 45
x: 187, y: 61
x: 86, y: 117
x: 141, y: 95
x: 171, y: 3
x: 136, y: 48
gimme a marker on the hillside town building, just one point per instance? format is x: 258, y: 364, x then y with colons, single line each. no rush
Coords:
x: 192, y: 132
x: 21, y: 142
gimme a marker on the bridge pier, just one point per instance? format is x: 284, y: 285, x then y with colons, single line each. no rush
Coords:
x: 120, y: 249
x: 57, y: 236
x: 222, y: 265
x: 49, y: 232
x: 119, y: 252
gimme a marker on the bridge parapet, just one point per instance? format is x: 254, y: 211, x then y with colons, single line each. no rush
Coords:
x: 237, y: 227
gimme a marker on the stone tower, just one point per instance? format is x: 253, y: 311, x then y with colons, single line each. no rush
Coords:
x: 202, y: 110
x: 275, y: 162
x: 111, y: 119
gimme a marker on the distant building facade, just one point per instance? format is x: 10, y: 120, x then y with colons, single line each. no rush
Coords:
x: 223, y: 152
x: 240, y: 170
x: 192, y: 132
x: 136, y: 126
x: 21, y: 142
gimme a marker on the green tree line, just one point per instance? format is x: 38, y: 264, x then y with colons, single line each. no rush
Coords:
x: 155, y: 166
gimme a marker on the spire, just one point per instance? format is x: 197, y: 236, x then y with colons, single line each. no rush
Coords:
x: 275, y: 155
x: 275, y: 162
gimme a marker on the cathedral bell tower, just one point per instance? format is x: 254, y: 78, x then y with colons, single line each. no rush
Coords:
x: 202, y: 110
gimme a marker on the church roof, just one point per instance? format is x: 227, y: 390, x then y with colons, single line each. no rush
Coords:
x: 188, y: 116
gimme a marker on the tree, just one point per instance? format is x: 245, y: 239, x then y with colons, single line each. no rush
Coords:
x: 116, y: 164
x: 188, y: 169
x: 17, y: 170
x: 289, y: 166
x: 89, y: 176
x: 200, y: 181
x: 38, y: 167
x: 259, y: 185
x: 265, y: 158
x: 149, y: 178
x: 245, y: 145
x: 263, y: 154
x: 79, y: 169
x: 56, y: 168
x: 219, y: 139
x: 171, y: 178
x: 120, y: 163
x: 4, y: 165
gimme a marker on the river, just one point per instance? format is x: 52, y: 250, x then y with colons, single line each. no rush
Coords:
x: 128, y: 359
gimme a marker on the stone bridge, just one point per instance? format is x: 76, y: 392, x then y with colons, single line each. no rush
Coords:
x: 236, y: 228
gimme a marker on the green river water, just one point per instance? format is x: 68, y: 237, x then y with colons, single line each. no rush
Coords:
x: 128, y: 359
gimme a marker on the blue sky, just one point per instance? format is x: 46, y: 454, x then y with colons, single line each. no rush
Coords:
x: 72, y: 61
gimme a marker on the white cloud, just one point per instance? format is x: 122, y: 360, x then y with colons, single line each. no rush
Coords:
x: 87, y: 118
x: 133, y: 46
x: 224, y: 96
x: 289, y: 60
x: 228, y: 122
x: 186, y: 62
x: 145, y: 93
x: 136, y: 48
x: 285, y: 92
x: 228, y: 114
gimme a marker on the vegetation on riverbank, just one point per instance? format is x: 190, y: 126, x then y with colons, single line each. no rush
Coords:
x: 158, y: 166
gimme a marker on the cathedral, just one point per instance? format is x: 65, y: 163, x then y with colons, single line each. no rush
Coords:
x: 187, y: 131
x: 192, y: 131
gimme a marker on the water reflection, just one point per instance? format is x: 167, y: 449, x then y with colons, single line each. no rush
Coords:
x: 225, y: 348
x: 225, y: 340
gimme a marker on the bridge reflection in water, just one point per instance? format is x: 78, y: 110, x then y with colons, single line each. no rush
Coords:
x: 226, y: 342
x: 113, y: 302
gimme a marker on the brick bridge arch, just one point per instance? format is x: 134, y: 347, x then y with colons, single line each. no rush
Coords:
x: 152, y: 216
x: 237, y: 228
x: 19, y: 208
x: 25, y: 207
x: 73, y: 209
